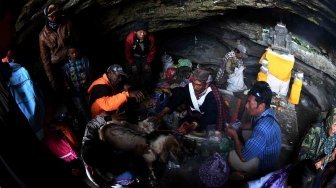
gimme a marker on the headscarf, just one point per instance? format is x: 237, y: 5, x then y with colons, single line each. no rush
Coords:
x: 202, y: 75
x: 331, y: 119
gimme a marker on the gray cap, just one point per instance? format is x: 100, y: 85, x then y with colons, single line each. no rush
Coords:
x: 117, y: 69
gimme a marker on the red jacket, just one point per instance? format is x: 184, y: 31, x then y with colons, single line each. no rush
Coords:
x: 131, y: 48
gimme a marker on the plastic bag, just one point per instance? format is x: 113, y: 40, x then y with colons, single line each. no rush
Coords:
x: 236, y: 80
x: 214, y: 172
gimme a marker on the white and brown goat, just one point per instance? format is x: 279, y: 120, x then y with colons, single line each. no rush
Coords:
x: 124, y: 138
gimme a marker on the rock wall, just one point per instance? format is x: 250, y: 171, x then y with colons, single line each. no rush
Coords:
x: 106, y: 22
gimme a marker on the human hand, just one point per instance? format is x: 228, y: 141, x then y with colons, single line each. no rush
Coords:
x: 127, y: 87
x: 186, y: 127
x: 218, y: 134
x: 134, y: 69
x: 138, y: 95
x: 231, y: 132
x: 155, y: 119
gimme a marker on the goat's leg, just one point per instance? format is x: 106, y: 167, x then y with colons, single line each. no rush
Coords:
x: 151, y: 171
x: 152, y: 178
x: 150, y: 157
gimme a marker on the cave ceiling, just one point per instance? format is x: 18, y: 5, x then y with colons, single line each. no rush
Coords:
x: 224, y: 20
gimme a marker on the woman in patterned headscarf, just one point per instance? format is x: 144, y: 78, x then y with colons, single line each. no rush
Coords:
x: 319, y: 143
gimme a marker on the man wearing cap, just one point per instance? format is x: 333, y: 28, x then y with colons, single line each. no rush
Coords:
x: 57, y: 33
x: 107, y: 94
x: 205, y: 105
x: 140, y: 52
x: 261, y: 150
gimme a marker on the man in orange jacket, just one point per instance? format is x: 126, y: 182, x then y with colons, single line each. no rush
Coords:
x: 106, y: 93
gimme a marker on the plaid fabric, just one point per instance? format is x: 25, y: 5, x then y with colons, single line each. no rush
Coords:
x: 223, y: 115
x: 77, y: 74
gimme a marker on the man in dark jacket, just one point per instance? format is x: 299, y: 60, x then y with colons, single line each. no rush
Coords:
x: 205, y: 105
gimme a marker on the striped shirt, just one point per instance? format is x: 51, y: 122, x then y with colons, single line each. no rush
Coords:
x: 265, y: 141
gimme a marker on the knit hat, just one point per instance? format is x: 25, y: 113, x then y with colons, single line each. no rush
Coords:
x: 116, y: 69
x: 202, y: 75
x: 214, y: 172
x: 140, y: 25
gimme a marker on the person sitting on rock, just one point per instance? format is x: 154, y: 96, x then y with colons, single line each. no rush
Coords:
x: 320, y: 141
x: 107, y: 93
x: 319, y: 144
x: 205, y: 105
x: 262, y: 149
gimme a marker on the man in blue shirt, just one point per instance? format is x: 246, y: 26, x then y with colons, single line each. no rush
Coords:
x: 261, y: 151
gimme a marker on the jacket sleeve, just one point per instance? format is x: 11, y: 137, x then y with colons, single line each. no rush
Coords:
x: 210, y: 112
x: 309, y: 145
x: 179, y: 96
x: 110, y: 103
x: 46, y: 58
x: 152, y: 50
x: 128, y: 48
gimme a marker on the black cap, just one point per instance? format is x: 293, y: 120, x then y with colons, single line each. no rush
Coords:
x: 262, y: 92
x: 140, y: 25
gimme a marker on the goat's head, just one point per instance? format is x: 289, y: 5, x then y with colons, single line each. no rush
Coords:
x: 171, y: 150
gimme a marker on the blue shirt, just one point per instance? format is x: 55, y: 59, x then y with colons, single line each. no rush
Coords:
x: 265, y: 141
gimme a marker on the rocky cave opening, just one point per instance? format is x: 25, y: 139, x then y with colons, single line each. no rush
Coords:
x: 206, y: 40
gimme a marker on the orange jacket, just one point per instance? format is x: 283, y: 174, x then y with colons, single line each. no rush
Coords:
x: 106, y: 100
